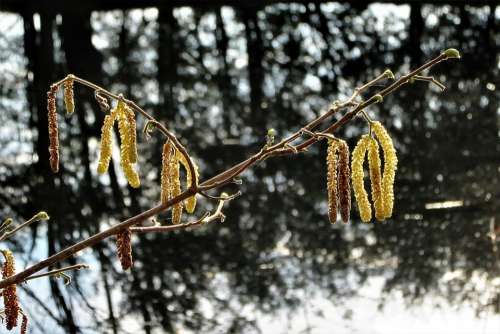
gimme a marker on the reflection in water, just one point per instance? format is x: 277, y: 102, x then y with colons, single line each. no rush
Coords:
x: 220, y: 77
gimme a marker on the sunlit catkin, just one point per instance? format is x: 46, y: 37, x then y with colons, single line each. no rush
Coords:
x: 358, y: 157
x: 125, y: 142
x: 390, y: 166
x: 124, y: 248
x: 176, y: 191
x: 344, y: 181
x: 10, y: 302
x: 331, y: 180
x: 132, y: 129
x: 106, y: 142
x: 53, y: 131
x: 69, y: 101
x: 375, y: 178
x: 190, y: 202
x: 166, y: 164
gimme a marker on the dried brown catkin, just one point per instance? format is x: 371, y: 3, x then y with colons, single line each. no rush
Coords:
x: 344, y: 175
x: 10, y: 301
x: 331, y: 180
x: 53, y: 130
x: 24, y: 324
x: 124, y: 248
x: 69, y: 101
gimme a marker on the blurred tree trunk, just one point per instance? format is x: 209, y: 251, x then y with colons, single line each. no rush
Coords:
x: 167, y: 61
x: 255, y: 52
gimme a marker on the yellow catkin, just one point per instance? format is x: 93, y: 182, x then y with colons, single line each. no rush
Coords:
x: 344, y: 175
x: 53, y: 129
x: 124, y: 248
x: 132, y: 138
x: 167, y: 155
x: 190, y: 202
x: 390, y: 166
x: 331, y: 180
x: 11, y: 304
x: 176, y: 191
x: 358, y: 157
x: 106, y: 142
x: 375, y: 178
x: 125, y: 140
x: 69, y: 101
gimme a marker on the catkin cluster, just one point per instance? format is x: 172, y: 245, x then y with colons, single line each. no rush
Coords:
x: 170, y: 180
x: 10, y: 302
x: 128, y: 142
x: 338, y: 185
x: 53, y: 131
x: 124, y: 247
x: 382, y: 185
x: 69, y: 101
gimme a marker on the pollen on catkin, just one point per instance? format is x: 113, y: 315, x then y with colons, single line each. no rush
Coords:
x: 331, y: 180
x: 132, y: 128
x: 358, y: 157
x: 175, y: 184
x: 124, y: 248
x: 390, y: 166
x: 53, y: 131
x: 69, y: 101
x: 375, y: 178
x: 125, y: 142
x: 10, y: 301
x: 190, y: 202
x: 344, y: 175
x: 167, y: 155
x: 106, y: 142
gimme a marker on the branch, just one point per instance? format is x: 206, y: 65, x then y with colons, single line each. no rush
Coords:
x: 207, y: 218
x: 228, y: 176
x: 42, y: 215
x: 60, y: 272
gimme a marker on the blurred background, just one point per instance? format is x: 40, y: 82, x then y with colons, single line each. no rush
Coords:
x: 219, y: 74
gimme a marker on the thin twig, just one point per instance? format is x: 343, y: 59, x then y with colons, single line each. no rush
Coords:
x: 60, y: 271
x: 207, y: 218
x: 38, y: 217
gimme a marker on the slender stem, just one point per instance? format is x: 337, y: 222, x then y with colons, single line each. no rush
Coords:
x: 207, y: 218
x: 30, y: 221
x: 226, y: 176
x: 58, y: 271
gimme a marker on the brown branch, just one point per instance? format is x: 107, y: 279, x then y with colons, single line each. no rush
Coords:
x: 228, y: 175
x: 207, y: 218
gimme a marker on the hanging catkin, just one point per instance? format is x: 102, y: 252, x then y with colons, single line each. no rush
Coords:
x: 106, y: 142
x: 124, y: 248
x: 375, y: 178
x: 132, y: 128
x: 24, y: 324
x: 10, y: 302
x: 331, y: 180
x: 166, y: 172
x: 390, y: 166
x: 125, y: 142
x: 175, y: 183
x: 69, y: 101
x: 53, y: 131
x: 344, y: 175
x: 358, y: 157
x: 190, y: 202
